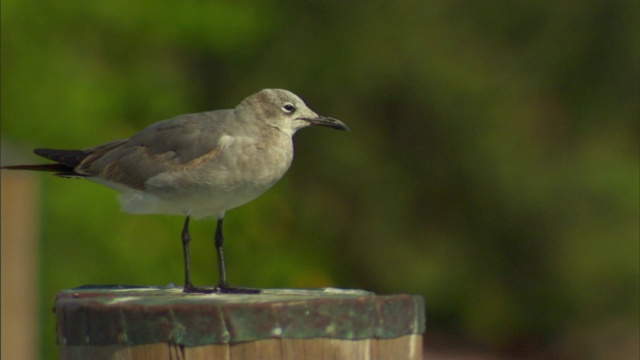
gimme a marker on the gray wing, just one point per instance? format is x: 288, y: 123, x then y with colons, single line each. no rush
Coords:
x: 168, y: 145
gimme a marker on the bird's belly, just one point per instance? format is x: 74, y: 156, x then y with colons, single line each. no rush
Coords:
x: 197, y: 202
x: 201, y: 193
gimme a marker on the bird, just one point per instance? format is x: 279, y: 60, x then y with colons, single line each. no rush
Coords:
x: 196, y: 165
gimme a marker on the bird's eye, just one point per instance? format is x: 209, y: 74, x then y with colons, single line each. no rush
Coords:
x: 288, y: 108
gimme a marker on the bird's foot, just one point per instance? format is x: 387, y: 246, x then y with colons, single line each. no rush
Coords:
x: 225, y: 289
x: 190, y: 289
x: 220, y: 289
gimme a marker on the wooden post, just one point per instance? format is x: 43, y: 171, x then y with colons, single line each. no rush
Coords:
x: 19, y: 264
x: 164, y: 323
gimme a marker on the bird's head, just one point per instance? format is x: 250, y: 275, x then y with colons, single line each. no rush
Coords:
x: 285, y: 111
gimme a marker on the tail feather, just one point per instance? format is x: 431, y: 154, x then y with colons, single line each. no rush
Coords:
x: 66, y: 160
x: 70, y: 158
x: 59, y: 169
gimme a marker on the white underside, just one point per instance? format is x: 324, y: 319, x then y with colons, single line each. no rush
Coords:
x: 198, y: 203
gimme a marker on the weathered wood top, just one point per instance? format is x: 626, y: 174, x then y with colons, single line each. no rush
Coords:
x: 106, y: 316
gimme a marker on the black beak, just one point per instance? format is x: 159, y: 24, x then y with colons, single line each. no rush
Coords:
x: 328, y: 122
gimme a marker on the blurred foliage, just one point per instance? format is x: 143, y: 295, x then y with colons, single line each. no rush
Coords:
x: 492, y: 164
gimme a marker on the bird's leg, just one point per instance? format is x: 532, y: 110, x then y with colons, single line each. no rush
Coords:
x: 223, y: 285
x: 186, y: 239
x: 219, y: 242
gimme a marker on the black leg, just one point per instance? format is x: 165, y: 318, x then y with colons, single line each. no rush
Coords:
x: 222, y: 270
x: 223, y: 285
x: 186, y: 239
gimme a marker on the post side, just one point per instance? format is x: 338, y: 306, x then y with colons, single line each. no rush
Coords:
x: 165, y: 323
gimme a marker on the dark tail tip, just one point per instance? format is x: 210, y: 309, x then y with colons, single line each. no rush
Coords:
x: 66, y: 160
x: 70, y: 158
x: 59, y: 169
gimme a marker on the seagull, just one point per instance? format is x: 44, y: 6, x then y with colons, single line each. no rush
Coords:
x: 197, y: 165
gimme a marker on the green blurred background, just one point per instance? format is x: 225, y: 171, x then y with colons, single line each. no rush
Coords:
x: 493, y: 163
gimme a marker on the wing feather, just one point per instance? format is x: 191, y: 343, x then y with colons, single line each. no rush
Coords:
x: 175, y: 144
